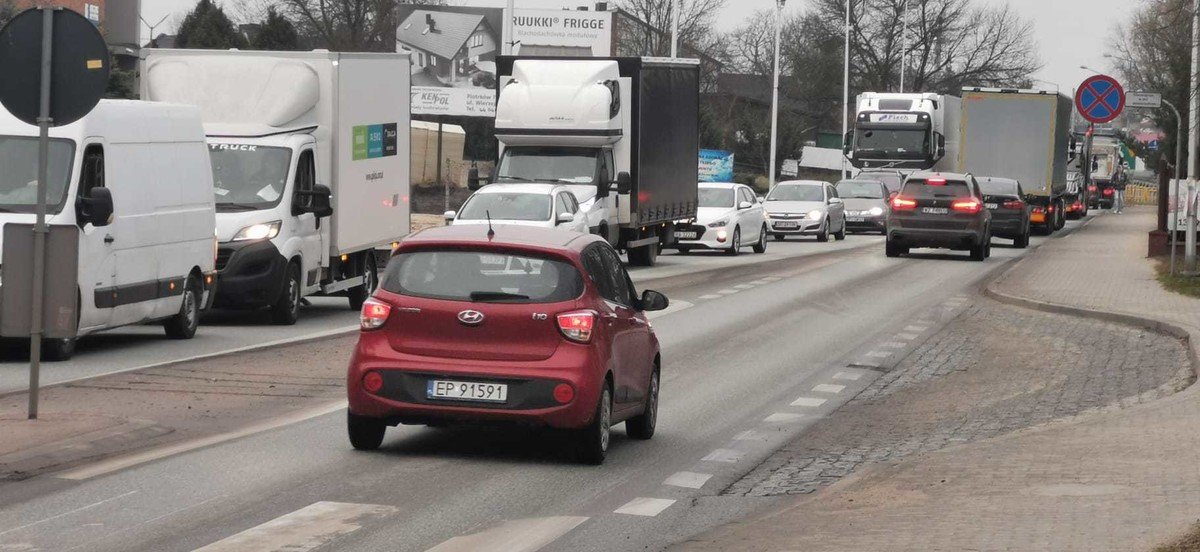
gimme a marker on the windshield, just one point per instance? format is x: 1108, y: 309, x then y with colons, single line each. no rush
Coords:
x: 247, y: 177
x: 538, y: 164
x: 482, y: 276
x: 796, y: 192
x: 892, y: 181
x: 506, y: 206
x: 851, y: 189
x: 914, y: 142
x: 716, y: 197
x: 18, y: 174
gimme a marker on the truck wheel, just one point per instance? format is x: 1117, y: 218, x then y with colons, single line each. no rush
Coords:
x: 58, y: 350
x: 183, y: 325
x: 359, y: 295
x: 365, y: 433
x: 286, y: 310
x: 645, y: 255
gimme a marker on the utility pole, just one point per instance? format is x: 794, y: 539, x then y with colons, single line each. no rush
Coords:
x: 775, y: 94
x: 675, y: 29
x: 904, y: 48
x: 1189, y: 256
x: 509, y: 39
x: 846, y: 85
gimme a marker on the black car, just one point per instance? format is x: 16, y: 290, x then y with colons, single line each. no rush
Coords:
x: 940, y: 210
x: 1010, y: 212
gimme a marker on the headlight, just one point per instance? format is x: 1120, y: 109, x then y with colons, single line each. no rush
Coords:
x: 876, y: 211
x: 264, y: 231
x: 815, y: 214
x: 719, y: 224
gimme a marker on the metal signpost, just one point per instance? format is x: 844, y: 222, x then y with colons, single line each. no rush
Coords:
x: 1153, y: 100
x: 65, y: 55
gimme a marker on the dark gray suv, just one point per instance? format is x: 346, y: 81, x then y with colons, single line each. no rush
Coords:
x: 940, y: 210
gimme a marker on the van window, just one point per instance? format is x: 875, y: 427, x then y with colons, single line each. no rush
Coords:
x: 306, y: 178
x: 19, y: 174
x: 485, y: 276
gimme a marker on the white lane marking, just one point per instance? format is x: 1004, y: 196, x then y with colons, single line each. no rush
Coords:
x: 894, y: 345
x: 782, y: 417
x: 520, y: 535
x: 917, y: 329
x: 829, y: 388
x: 308, y: 528
x: 648, y: 507
x: 772, y: 278
x: 761, y: 282
x: 744, y: 286
x: 728, y: 291
x: 907, y: 336
x: 129, y: 460
x: 879, y: 354
x: 850, y: 376
x: 673, y: 308
x: 809, y: 402
x: 67, y: 513
x: 725, y: 456
x: 710, y: 297
x: 688, y: 480
x: 751, y: 435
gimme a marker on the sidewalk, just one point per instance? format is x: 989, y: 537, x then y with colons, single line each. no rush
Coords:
x: 1126, y: 479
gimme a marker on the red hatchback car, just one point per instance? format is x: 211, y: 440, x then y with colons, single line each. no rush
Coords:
x: 528, y: 325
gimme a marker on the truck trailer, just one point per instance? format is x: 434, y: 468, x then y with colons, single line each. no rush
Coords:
x: 621, y: 133
x: 908, y: 132
x: 310, y: 163
x: 1023, y: 135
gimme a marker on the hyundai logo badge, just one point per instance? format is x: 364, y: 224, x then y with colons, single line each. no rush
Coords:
x: 470, y: 317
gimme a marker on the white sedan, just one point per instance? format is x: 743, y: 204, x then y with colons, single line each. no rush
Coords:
x: 729, y: 218
x: 544, y: 205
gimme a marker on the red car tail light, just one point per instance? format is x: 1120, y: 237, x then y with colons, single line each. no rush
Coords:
x: 1108, y: 191
x: 1092, y: 188
x: 970, y: 206
x: 372, y: 382
x: 901, y: 203
x: 1039, y: 210
x: 564, y: 393
x: 374, y: 315
x: 1014, y: 204
x: 577, y: 326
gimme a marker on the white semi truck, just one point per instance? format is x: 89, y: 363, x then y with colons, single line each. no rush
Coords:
x: 621, y: 133
x: 310, y: 157
x: 907, y: 132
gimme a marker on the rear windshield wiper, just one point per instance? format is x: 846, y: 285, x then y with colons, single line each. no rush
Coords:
x: 495, y: 296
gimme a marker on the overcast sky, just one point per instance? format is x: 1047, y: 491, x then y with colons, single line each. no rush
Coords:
x: 1070, y: 33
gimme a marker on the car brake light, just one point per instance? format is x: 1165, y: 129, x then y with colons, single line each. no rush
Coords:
x: 901, y: 203
x: 374, y: 314
x: 577, y: 326
x: 936, y: 182
x: 564, y: 393
x: 1092, y: 188
x: 1039, y: 210
x: 372, y: 382
x: 1014, y: 204
x: 970, y: 206
x: 1108, y: 191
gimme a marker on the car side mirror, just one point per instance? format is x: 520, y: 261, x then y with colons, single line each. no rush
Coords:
x: 654, y: 301
x: 474, y: 181
x: 95, y: 208
x: 564, y: 218
x: 449, y: 216
x: 745, y: 205
x: 835, y: 201
x: 762, y: 199
x: 321, y: 204
x: 941, y: 146
x: 624, y: 183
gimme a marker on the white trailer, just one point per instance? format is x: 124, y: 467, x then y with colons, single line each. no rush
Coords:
x: 310, y: 154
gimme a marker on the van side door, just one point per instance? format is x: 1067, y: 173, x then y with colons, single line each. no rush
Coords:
x: 97, y: 248
x: 309, y: 229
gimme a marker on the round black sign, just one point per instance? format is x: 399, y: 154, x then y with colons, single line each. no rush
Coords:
x: 79, y: 66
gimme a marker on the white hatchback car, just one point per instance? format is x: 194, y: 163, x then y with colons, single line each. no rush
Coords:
x: 544, y: 205
x: 730, y: 217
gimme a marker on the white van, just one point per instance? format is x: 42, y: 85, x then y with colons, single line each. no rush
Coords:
x: 135, y: 177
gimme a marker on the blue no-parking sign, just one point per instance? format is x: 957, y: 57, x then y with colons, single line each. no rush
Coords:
x: 1100, y: 99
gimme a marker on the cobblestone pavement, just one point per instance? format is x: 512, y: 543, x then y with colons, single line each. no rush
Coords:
x: 994, y: 370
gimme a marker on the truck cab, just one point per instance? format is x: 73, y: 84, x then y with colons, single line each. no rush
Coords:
x: 904, y: 131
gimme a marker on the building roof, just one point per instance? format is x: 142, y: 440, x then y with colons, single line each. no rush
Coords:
x: 450, y: 31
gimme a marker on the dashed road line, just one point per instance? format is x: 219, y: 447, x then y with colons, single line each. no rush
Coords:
x: 848, y: 376
x: 688, y: 480
x: 772, y: 278
x: 829, y: 388
x: 710, y: 297
x: 744, y: 286
x: 752, y: 435
x: 728, y: 291
x: 917, y: 329
x: 894, y: 345
x: 761, y: 282
x: 725, y: 456
x: 810, y: 402
x: 308, y: 528
x: 647, y: 507
x: 907, y: 336
x: 782, y: 417
x: 879, y: 354
x: 520, y: 535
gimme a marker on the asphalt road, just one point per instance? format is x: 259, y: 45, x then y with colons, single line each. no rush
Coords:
x: 754, y: 348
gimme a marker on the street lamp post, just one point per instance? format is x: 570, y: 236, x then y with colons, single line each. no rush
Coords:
x: 1189, y: 256
x: 775, y: 94
x: 675, y: 33
x: 904, y: 48
x: 846, y: 84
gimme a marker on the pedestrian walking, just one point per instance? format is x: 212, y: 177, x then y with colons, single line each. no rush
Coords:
x: 1119, y: 181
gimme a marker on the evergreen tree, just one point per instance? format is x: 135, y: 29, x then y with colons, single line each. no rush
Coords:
x: 207, y: 26
x: 276, y: 33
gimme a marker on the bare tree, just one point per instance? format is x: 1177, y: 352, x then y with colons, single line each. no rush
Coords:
x: 696, y: 20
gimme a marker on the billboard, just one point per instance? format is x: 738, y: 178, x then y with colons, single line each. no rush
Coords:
x: 454, y: 50
x: 716, y: 166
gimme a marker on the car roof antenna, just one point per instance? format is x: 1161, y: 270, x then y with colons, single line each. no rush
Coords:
x: 491, y: 233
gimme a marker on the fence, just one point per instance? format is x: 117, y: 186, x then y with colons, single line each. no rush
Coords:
x: 1141, y: 193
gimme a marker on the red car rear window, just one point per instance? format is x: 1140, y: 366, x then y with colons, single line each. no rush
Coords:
x: 483, y: 276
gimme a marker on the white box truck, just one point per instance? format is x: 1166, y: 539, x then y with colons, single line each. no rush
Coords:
x: 621, y: 133
x: 310, y: 154
x: 908, y: 132
x: 135, y: 178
